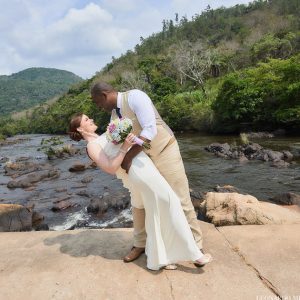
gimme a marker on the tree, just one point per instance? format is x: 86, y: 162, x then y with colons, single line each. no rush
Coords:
x: 194, y: 61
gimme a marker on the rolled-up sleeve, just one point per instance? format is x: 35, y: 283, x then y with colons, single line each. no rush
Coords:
x: 142, y: 106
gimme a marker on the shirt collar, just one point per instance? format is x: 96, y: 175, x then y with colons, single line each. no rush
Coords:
x: 119, y: 98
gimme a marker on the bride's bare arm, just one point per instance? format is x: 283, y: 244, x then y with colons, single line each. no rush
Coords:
x: 109, y: 165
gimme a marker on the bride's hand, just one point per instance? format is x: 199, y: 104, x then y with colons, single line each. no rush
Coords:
x: 129, y: 141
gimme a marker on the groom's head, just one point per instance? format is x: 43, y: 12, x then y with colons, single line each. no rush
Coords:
x: 104, y: 96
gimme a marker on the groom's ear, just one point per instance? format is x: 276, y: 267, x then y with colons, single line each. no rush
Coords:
x: 104, y: 94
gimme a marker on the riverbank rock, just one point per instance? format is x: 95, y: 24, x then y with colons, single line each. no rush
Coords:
x: 223, y: 209
x: 287, y: 199
x: 33, y: 178
x: 15, y: 217
x: 251, y: 151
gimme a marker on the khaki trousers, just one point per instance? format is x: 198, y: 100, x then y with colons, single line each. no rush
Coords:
x: 170, y: 165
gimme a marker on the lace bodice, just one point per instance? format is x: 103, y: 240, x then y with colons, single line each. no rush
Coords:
x: 109, y: 148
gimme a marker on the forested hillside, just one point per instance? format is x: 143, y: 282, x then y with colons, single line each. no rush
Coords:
x: 221, y: 71
x: 32, y: 86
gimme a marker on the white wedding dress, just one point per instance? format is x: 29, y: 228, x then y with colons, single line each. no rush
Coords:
x: 169, y: 237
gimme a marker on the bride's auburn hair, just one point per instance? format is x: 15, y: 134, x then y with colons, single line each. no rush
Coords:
x: 74, y: 124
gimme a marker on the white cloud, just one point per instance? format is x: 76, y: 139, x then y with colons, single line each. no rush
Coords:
x: 80, y: 35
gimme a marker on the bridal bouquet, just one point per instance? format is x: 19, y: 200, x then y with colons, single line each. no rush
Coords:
x: 118, y: 130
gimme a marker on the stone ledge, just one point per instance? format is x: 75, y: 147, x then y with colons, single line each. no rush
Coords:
x: 87, y: 264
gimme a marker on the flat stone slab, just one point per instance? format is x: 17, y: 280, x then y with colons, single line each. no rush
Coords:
x: 87, y: 264
x: 273, y: 250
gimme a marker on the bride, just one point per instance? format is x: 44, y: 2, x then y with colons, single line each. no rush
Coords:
x: 169, y: 237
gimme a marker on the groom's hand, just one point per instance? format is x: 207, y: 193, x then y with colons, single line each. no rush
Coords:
x: 127, y: 161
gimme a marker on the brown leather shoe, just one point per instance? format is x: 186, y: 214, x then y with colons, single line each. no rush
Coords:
x: 134, y: 253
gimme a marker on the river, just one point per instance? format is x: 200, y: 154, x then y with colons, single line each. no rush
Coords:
x: 204, y: 170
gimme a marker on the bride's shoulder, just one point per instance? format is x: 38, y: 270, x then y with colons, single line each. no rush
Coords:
x: 97, y: 141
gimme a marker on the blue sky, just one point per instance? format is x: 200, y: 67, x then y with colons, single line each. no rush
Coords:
x: 80, y: 35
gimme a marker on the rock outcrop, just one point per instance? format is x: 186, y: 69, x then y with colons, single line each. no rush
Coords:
x: 15, y: 217
x: 251, y: 151
x: 236, y: 209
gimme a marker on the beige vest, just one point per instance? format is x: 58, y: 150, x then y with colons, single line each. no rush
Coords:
x: 164, y: 133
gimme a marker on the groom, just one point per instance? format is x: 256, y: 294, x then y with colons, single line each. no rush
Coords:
x: 164, y: 152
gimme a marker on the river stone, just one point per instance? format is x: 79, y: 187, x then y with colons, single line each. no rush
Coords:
x: 15, y: 217
x: 32, y: 178
x: 84, y: 193
x: 274, y: 155
x: 236, y: 209
x: 197, y: 198
x: 252, y: 148
x: 97, y: 205
x: 92, y: 165
x: 4, y: 159
x: 42, y: 227
x: 36, y: 218
x: 217, y: 147
x: 287, y: 199
x: 77, y: 167
x: 226, y: 189
x: 24, y: 167
x: 22, y: 158
x: 287, y: 155
x: 87, y: 179
x: 61, y: 205
x: 279, y: 164
x: 243, y: 159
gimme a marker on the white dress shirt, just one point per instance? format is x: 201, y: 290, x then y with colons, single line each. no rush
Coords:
x: 140, y: 103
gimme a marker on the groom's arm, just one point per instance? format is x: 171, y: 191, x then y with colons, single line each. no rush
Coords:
x: 142, y: 106
x: 131, y: 154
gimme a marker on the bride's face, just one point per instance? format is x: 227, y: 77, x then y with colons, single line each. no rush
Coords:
x: 87, y: 124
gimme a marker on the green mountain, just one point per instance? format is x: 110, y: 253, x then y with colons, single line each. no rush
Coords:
x: 33, y: 86
x: 223, y: 71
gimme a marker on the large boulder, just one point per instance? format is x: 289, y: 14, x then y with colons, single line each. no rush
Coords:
x: 237, y: 209
x: 15, y: 217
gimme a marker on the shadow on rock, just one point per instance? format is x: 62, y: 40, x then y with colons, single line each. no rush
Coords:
x: 112, y: 245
